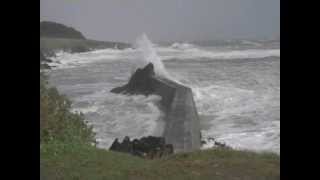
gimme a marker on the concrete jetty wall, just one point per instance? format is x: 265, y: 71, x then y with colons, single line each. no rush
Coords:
x: 182, y: 128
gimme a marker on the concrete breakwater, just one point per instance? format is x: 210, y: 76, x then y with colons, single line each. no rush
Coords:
x: 182, y: 128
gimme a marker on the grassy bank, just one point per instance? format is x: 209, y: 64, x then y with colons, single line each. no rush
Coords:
x: 49, y: 45
x: 59, y: 161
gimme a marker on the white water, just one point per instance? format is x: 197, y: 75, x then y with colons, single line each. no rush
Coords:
x: 149, y: 55
x: 236, y: 90
x: 146, y: 52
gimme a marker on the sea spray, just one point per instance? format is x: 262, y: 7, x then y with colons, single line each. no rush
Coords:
x: 145, y: 46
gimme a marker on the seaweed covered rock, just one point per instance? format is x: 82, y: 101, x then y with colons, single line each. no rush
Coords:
x: 147, y: 147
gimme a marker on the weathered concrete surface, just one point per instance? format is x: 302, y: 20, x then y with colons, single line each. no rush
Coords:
x: 182, y: 128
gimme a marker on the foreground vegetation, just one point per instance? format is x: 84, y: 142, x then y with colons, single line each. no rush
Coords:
x: 67, y: 151
x: 57, y: 122
x: 60, y: 161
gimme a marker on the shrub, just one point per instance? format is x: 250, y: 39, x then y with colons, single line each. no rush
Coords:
x: 57, y: 122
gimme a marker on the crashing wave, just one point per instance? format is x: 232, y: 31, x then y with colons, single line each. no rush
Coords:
x: 182, y: 46
x: 196, y: 53
x: 149, y: 55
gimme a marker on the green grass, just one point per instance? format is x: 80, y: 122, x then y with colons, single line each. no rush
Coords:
x: 61, y: 161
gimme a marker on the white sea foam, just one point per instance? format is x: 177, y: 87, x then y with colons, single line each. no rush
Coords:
x: 134, y: 116
x: 245, y: 42
x: 182, y: 46
x: 197, y: 54
x: 147, y: 52
x: 71, y: 60
x: 149, y: 55
x: 118, y: 116
x: 239, y: 117
x: 266, y: 138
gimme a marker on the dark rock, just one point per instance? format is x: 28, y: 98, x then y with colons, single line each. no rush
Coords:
x: 203, y: 142
x: 216, y: 143
x: 44, y: 61
x: 148, y: 147
x: 126, y: 145
x: 79, y: 49
x: 44, y: 66
x: 219, y: 144
x: 168, y: 149
x: 139, y: 83
x: 115, y: 145
x: 43, y: 58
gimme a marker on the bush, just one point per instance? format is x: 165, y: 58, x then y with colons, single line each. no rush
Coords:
x: 57, y: 122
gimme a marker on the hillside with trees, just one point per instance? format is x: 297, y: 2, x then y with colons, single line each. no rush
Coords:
x: 56, y: 30
x: 56, y: 37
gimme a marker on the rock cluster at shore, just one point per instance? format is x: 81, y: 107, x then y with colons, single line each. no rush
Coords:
x: 147, y: 147
x: 213, y: 143
x: 44, y: 61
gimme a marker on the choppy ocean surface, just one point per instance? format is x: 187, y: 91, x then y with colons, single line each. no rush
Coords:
x: 236, y: 89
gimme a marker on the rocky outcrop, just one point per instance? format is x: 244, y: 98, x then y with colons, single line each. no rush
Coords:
x: 139, y: 83
x: 213, y: 143
x: 147, y: 147
x: 182, y: 128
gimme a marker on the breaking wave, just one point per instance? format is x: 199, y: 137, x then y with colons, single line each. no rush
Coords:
x: 118, y: 116
x: 146, y: 52
x: 182, y: 46
x: 198, y: 53
x: 149, y: 55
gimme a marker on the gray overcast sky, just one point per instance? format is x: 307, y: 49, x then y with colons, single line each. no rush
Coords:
x: 167, y: 20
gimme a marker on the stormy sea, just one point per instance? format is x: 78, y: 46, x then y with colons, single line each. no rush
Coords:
x: 236, y: 87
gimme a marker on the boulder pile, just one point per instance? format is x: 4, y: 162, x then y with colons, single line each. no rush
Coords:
x: 147, y: 147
